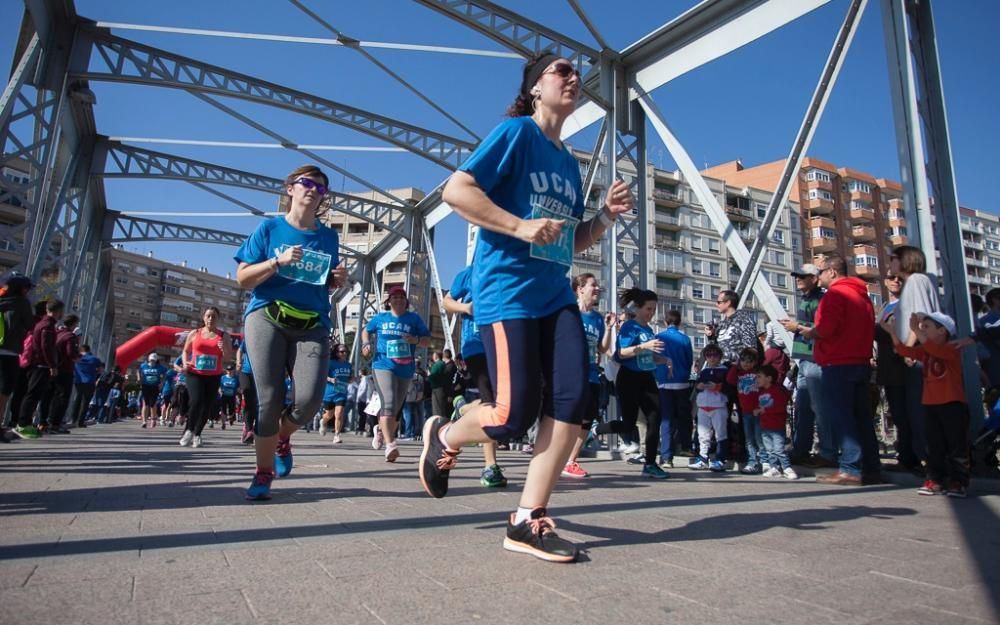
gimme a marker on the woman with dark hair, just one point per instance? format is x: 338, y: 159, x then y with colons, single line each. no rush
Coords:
x: 919, y: 295
x: 638, y: 352
x: 398, y: 331
x: 205, y: 350
x: 522, y: 187
x: 16, y: 323
x: 290, y: 262
x: 338, y: 375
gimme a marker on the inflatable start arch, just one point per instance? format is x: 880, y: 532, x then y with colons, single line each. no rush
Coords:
x: 149, y: 339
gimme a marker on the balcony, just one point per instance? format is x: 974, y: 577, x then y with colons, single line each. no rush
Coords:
x: 975, y: 262
x: 823, y: 244
x: 667, y: 243
x: 589, y: 256
x: 670, y: 293
x: 863, y: 233
x: 748, y: 237
x: 865, y: 250
x: 667, y: 220
x: 822, y: 222
x: 819, y: 206
x: 896, y: 204
x: 739, y: 214
x: 861, y: 196
x: 864, y: 271
x: 898, y: 239
x: 979, y: 280
x: 819, y: 184
x: 663, y: 197
x: 972, y: 227
x: 672, y: 268
x: 972, y: 245
x: 862, y: 214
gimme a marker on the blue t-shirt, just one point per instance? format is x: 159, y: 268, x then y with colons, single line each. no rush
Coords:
x: 169, y: 378
x: 289, y: 392
x: 461, y: 291
x: 392, y: 353
x: 302, y: 285
x: 228, y: 385
x: 630, y: 335
x: 245, y: 368
x: 150, y: 375
x: 524, y: 173
x: 182, y: 375
x: 676, y: 347
x: 593, y: 327
x: 340, y: 370
x: 85, y: 369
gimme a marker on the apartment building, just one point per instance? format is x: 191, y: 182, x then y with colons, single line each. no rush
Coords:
x: 844, y: 211
x: 981, y: 242
x: 149, y: 291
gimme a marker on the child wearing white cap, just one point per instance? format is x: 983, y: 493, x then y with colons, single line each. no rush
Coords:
x: 946, y: 411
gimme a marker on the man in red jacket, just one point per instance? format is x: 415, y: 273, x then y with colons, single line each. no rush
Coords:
x: 68, y: 352
x: 43, y: 366
x: 843, y: 335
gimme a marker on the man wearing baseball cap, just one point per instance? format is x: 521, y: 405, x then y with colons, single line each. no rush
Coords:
x: 808, y: 407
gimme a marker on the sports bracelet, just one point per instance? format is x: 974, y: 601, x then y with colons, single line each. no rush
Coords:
x: 607, y: 221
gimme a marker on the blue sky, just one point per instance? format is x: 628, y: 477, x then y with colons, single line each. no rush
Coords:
x: 747, y: 105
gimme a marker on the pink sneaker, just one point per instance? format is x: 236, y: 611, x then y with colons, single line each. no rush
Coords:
x: 574, y: 470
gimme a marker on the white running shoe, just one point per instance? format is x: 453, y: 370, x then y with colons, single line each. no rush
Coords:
x: 631, y: 448
x: 196, y: 442
x: 186, y: 439
x: 337, y: 440
x: 765, y: 467
x: 772, y: 472
x: 790, y: 474
x: 377, y: 438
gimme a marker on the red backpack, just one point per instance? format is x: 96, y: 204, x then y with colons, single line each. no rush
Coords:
x: 25, y: 357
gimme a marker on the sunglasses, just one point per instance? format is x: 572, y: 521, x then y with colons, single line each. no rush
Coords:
x: 563, y: 70
x: 312, y: 184
x: 893, y: 278
x: 341, y: 351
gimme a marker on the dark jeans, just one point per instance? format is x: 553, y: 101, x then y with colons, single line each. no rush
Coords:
x: 61, y: 389
x: 846, y: 401
x: 947, y: 427
x: 638, y: 391
x: 39, y: 383
x: 441, y: 402
x: 81, y: 400
x: 915, y: 409
x: 675, y: 421
x: 895, y: 396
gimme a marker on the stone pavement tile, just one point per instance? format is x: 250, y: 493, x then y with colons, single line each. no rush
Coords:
x: 68, y: 602
x: 215, y: 605
x: 910, y: 616
x: 317, y: 601
x: 15, y: 574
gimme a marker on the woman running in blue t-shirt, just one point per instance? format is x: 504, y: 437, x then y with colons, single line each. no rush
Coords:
x: 522, y: 187
x: 290, y: 263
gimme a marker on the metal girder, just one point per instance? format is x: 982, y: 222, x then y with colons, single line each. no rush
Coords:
x: 720, y: 221
x: 514, y: 31
x: 631, y: 230
x: 122, y: 60
x: 828, y: 77
x: 126, y: 161
x: 18, y: 78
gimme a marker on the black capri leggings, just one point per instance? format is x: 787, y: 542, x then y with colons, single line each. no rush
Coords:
x: 249, y: 400
x: 526, y: 355
x: 202, y: 390
x: 637, y: 391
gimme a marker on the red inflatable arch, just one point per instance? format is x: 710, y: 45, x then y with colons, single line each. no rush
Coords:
x: 148, y: 340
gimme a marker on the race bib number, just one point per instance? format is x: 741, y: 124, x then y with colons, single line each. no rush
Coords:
x: 152, y: 378
x: 205, y: 362
x: 339, y: 388
x: 397, y: 348
x: 645, y: 361
x: 312, y: 268
x: 561, y: 250
x: 592, y: 346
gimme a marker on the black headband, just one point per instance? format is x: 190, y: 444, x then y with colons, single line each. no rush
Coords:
x: 536, y: 70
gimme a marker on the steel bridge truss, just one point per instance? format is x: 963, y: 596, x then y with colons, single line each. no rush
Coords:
x: 47, y: 134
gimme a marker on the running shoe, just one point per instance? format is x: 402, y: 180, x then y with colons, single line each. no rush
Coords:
x: 654, y: 471
x: 637, y: 459
x: 750, y: 469
x: 143, y: 426
x: 260, y: 487
x: 391, y: 452
x: 666, y: 463
x: 196, y: 442
x: 574, y: 470
x: 956, y: 490
x: 436, y: 460
x: 283, y: 458
x: 528, y: 449
x: 930, y: 487
x: 765, y: 467
x: 27, y: 431
x: 377, y: 439
x: 337, y: 440
x: 772, y: 472
x: 492, y: 477
x: 170, y: 423
x: 247, y: 436
x: 223, y: 424
x: 537, y: 537
x: 211, y: 425
x: 322, y: 431
x: 186, y: 438
x: 790, y: 474
x: 698, y: 464
x: 631, y: 448
x: 716, y: 466
x: 58, y: 429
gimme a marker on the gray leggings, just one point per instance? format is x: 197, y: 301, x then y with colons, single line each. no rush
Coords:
x: 391, y: 390
x: 272, y: 351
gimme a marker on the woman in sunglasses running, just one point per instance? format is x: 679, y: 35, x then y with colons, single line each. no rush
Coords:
x: 290, y: 263
x: 523, y: 188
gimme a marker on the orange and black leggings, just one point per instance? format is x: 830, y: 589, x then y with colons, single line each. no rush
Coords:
x: 537, y: 366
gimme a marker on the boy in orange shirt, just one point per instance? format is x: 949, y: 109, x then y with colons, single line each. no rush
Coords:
x: 946, y: 414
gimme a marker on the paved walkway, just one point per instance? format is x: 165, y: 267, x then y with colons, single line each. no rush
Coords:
x: 115, y: 524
